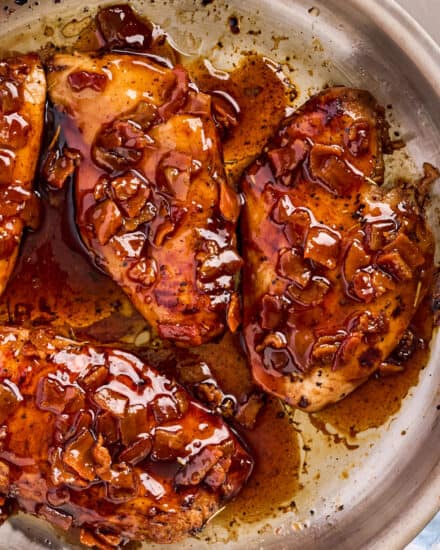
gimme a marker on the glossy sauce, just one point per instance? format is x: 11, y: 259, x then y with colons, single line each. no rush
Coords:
x: 371, y: 405
x: 56, y: 284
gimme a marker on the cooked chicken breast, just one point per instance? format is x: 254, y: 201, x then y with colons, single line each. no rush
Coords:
x: 335, y: 266
x: 94, y: 438
x: 153, y: 204
x: 22, y: 104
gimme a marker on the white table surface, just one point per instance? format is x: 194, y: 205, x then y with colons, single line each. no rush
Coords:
x: 427, y: 13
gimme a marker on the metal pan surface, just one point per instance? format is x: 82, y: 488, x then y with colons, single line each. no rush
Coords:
x: 393, y: 487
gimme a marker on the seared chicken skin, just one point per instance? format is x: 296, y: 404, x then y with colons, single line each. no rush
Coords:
x: 153, y: 204
x: 335, y: 265
x: 94, y: 438
x: 22, y: 103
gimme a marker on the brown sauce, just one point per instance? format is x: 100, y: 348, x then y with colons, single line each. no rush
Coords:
x: 371, y: 405
x: 273, y: 442
x: 56, y: 284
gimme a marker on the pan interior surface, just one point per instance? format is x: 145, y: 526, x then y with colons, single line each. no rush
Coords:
x: 378, y: 490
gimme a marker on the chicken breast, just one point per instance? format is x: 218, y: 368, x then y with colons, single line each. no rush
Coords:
x: 94, y: 438
x: 335, y: 265
x: 153, y: 204
x: 22, y: 104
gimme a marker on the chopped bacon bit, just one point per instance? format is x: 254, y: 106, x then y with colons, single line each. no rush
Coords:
x: 217, y: 475
x: 14, y: 130
x: 227, y: 262
x: 326, y: 347
x: 176, y: 168
x: 58, y: 497
x: 357, y: 138
x: 407, y: 249
x: 119, y: 145
x: 92, y: 541
x: 162, y: 232
x: 131, y: 194
x: 137, y: 451
x: 11, y: 99
x: 123, y: 485
x: 379, y: 233
x: 198, y: 104
x: 51, y: 395
x: 177, y: 94
x: 78, y: 455
x: 80, y: 80
x: 102, y: 459
x: 270, y: 312
x: 297, y: 228
x: 346, y: 350
x: 94, y: 377
x: 168, y: 445
x: 197, y: 468
x: 291, y: 265
x: 120, y: 27
x: 135, y: 422
x: 165, y: 409
x: 57, y: 168
x: 229, y: 203
x: 363, y: 286
x: 106, y: 219
x: 327, y: 166
x: 7, y: 165
x: 225, y: 115
x: 111, y: 401
x: 355, y: 258
x: 106, y: 425
x: 395, y: 265
x: 110, y: 538
x: 322, y: 246
x: 233, y: 314
x: 312, y: 295
x: 248, y: 411
x: 288, y: 159
x: 143, y: 271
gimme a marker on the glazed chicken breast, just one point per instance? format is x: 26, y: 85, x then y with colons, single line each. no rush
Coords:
x: 153, y: 204
x: 334, y: 264
x: 22, y: 104
x: 95, y: 438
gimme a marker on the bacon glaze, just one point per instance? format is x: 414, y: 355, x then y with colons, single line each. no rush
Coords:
x: 22, y: 102
x: 94, y: 438
x: 334, y: 265
x: 153, y: 204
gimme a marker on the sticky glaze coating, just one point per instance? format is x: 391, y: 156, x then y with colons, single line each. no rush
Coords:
x: 22, y: 100
x: 335, y: 266
x: 153, y: 204
x: 94, y: 438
